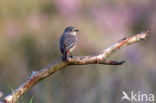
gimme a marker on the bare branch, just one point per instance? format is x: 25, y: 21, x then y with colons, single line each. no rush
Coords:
x: 100, y: 58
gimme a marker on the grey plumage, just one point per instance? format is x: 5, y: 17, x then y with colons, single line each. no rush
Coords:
x: 68, y: 41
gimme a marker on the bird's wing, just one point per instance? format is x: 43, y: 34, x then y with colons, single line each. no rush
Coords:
x: 69, y: 42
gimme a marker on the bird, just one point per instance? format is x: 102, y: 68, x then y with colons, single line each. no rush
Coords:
x: 125, y: 96
x: 68, y: 42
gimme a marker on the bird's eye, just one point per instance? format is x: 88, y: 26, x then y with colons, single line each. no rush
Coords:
x: 70, y: 30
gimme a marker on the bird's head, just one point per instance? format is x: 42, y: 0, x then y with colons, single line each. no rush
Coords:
x: 71, y: 30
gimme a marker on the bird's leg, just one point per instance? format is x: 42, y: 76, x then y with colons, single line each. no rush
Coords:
x: 71, y: 55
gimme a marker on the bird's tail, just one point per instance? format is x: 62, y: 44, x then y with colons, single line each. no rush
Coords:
x: 64, y: 56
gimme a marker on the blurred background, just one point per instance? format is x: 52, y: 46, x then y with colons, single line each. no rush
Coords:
x: 29, y: 40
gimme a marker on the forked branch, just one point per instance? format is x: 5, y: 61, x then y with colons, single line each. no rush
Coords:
x: 100, y: 58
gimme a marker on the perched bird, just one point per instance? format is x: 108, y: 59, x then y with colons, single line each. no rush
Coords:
x: 68, y: 42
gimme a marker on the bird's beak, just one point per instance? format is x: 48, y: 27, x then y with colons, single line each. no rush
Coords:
x: 76, y: 30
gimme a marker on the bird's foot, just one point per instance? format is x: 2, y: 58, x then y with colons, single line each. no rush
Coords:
x: 71, y: 56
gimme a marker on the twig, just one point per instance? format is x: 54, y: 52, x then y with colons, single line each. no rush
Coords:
x: 100, y: 58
